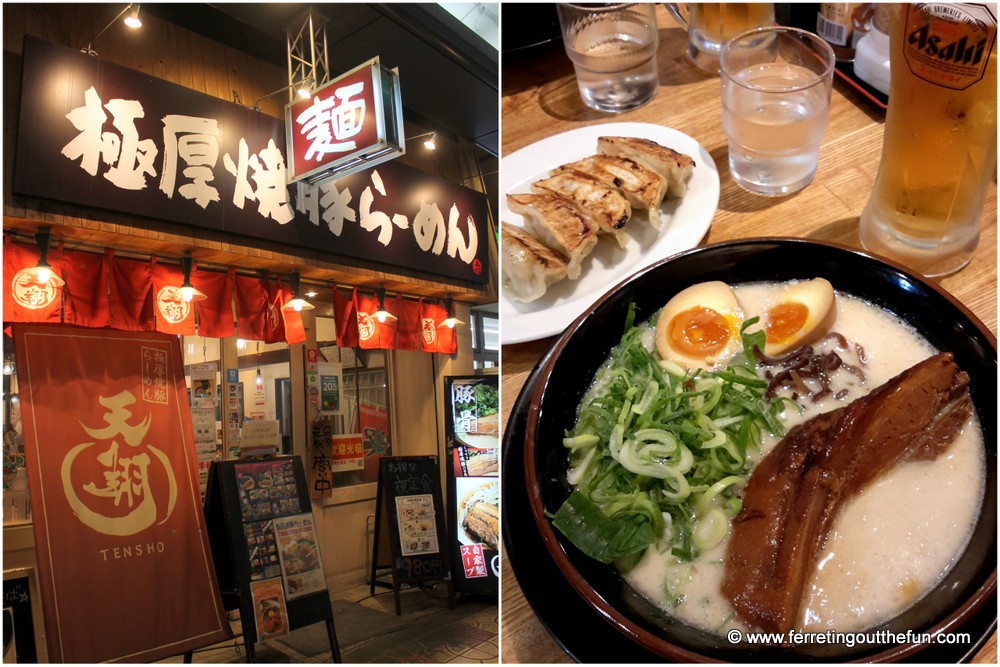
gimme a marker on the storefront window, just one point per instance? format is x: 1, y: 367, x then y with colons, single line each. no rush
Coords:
x: 365, y: 406
x: 485, y: 327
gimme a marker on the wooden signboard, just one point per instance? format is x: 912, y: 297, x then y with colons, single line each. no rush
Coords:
x: 410, y: 536
x: 266, y: 549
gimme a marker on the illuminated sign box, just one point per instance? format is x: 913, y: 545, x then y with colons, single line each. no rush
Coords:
x: 351, y: 124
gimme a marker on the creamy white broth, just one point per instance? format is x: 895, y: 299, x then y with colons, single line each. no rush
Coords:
x: 890, y: 544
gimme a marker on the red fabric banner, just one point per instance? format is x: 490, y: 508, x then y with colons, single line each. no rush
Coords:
x: 24, y: 299
x: 293, y: 330
x: 433, y: 336
x: 345, y: 317
x: 174, y: 315
x: 372, y: 334
x: 215, y: 314
x: 409, y: 323
x: 125, y: 566
x: 250, y: 297
x: 131, y: 295
x: 86, y: 290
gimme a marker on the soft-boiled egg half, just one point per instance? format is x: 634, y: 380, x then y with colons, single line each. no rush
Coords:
x: 798, y: 315
x: 700, y: 326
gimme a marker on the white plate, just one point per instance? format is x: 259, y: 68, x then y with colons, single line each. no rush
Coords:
x: 685, y: 222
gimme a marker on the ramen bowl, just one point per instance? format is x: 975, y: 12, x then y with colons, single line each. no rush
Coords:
x: 564, y: 375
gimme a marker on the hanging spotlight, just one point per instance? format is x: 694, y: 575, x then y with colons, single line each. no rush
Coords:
x: 383, y: 315
x: 42, y: 273
x: 298, y: 304
x: 302, y: 88
x: 188, y: 291
x: 132, y: 20
x: 429, y: 142
x: 241, y: 345
x: 8, y: 366
x: 451, y: 321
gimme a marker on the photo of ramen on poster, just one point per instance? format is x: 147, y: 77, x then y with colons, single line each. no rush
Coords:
x: 270, y: 611
x: 298, y: 551
x: 475, y: 415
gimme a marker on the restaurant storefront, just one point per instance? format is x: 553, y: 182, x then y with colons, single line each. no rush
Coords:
x: 158, y: 165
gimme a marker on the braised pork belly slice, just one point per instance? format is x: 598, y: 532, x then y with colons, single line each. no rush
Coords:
x: 795, y: 493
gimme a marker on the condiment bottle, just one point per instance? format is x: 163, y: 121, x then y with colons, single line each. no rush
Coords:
x: 871, y: 60
x: 940, y: 146
x: 842, y: 24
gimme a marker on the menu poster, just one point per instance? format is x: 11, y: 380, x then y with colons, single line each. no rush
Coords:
x: 267, y: 489
x: 298, y: 550
x: 473, y: 440
x: 203, y: 421
x: 330, y: 383
x: 263, y: 550
x: 203, y: 383
x: 417, y: 532
x: 270, y: 610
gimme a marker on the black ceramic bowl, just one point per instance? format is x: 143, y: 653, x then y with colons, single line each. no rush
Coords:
x: 569, y: 368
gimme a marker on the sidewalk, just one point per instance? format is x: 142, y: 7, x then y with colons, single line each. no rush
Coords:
x: 368, y: 631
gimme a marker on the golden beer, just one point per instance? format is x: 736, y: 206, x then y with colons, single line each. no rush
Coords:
x: 711, y: 24
x: 939, y: 151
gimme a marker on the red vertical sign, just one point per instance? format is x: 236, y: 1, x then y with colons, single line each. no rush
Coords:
x: 125, y: 567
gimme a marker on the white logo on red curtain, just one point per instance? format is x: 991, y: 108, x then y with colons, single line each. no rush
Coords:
x: 335, y: 117
x: 171, y: 305
x: 272, y: 317
x: 428, y: 330
x: 366, y: 326
x: 31, y: 294
x: 119, y: 496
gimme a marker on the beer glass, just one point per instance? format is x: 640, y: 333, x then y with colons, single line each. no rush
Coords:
x: 710, y: 24
x: 613, y: 49
x: 940, y: 147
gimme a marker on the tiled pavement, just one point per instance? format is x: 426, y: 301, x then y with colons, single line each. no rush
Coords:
x: 368, y: 631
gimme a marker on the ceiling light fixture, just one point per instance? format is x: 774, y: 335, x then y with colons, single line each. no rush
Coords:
x: 303, y: 89
x: 241, y: 345
x: 42, y: 273
x: 430, y: 142
x: 259, y: 380
x: 451, y: 321
x: 8, y: 366
x: 132, y: 21
x: 383, y: 315
x: 298, y: 304
x: 188, y: 291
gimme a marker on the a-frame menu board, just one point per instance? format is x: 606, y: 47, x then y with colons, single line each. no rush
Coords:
x: 265, y: 548
x: 409, y: 515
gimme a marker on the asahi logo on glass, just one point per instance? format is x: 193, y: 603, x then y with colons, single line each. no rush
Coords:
x: 950, y: 52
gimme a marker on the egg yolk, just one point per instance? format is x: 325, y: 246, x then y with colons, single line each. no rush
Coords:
x: 698, y: 332
x: 784, y: 320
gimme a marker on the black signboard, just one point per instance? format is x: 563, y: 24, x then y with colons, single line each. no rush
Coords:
x: 17, y: 598
x: 410, y: 536
x: 98, y: 134
x: 472, y: 439
x: 265, y: 548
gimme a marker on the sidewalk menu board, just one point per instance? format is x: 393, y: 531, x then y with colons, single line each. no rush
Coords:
x: 472, y: 437
x: 266, y: 547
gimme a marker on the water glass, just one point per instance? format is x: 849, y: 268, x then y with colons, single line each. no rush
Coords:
x: 613, y: 49
x: 776, y: 85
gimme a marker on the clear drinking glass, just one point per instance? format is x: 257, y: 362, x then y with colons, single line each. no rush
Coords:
x: 940, y: 147
x: 710, y: 24
x: 613, y: 49
x: 776, y: 85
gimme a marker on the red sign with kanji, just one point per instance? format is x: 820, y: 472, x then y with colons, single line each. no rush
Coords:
x: 473, y: 561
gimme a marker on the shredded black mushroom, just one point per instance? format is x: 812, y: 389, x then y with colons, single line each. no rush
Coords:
x: 790, y: 371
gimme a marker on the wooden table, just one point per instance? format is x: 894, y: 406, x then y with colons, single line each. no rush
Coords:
x: 540, y: 98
